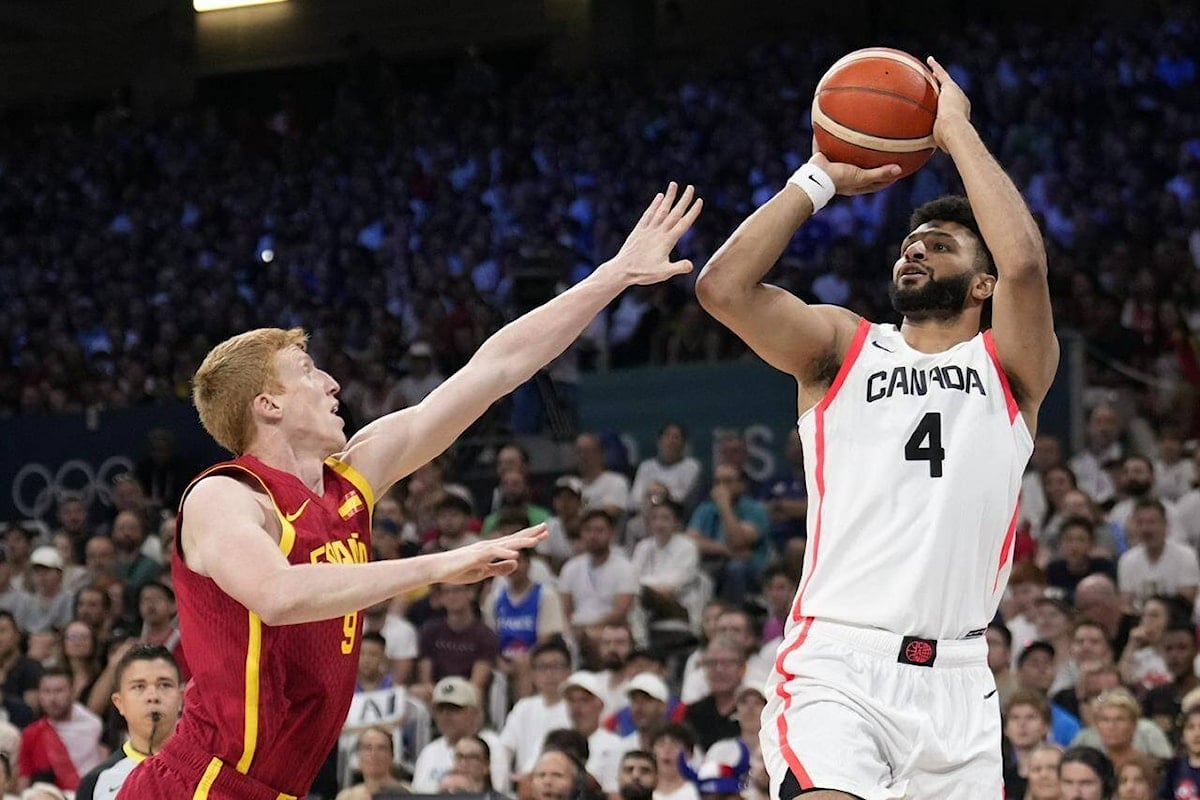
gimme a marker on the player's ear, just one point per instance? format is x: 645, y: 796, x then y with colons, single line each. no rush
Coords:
x: 983, y: 286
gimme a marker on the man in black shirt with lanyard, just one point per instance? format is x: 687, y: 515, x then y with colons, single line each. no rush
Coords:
x: 150, y: 699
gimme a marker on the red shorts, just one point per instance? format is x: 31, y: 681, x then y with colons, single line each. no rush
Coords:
x: 179, y: 774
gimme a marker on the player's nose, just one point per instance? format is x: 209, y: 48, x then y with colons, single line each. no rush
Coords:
x: 915, y: 251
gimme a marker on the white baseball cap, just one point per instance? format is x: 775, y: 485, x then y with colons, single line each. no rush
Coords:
x: 46, y: 556
x: 588, y: 681
x: 651, y: 684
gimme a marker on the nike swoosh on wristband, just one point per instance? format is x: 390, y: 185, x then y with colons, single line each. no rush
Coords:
x: 299, y: 511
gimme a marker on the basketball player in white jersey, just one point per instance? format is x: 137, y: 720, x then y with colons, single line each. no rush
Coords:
x: 915, y: 440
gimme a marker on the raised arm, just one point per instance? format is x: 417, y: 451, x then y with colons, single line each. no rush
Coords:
x: 229, y: 537
x: 395, y: 445
x: 783, y: 330
x: 1022, y: 324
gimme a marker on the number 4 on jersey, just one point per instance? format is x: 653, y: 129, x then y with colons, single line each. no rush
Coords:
x: 915, y: 449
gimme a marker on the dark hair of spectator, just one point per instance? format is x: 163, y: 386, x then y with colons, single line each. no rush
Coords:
x: 162, y: 587
x: 1005, y: 633
x: 957, y: 209
x: 555, y: 645
x: 597, y: 513
x: 1150, y: 502
x: 676, y: 425
x: 144, y: 652
x: 1083, y: 523
x: 567, y: 741
x: 677, y: 731
x: 376, y: 637
x: 640, y: 755
x: 1097, y: 762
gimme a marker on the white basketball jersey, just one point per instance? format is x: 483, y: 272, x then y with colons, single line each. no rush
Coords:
x: 913, y: 462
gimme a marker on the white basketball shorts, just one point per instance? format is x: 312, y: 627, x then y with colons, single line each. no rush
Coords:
x: 881, y: 716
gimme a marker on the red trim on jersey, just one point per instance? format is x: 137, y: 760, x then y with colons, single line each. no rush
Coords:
x: 785, y: 747
x: 990, y: 344
x: 1007, y: 548
x: 856, y: 346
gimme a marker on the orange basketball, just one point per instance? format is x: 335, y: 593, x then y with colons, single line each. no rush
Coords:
x: 876, y: 106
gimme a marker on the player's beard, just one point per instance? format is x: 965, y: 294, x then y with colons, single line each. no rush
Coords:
x: 939, y: 299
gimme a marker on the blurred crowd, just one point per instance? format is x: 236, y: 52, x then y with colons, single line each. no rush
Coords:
x: 401, y: 227
x: 403, y: 224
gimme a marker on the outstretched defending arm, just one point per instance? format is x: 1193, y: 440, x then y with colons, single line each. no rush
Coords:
x: 782, y: 329
x: 395, y: 445
x: 1022, y: 324
x: 227, y: 537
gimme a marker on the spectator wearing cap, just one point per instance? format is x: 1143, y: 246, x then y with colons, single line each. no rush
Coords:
x: 1035, y: 671
x: 650, y: 706
x: 724, y: 771
x: 714, y: 716
x: 602, y: 488
x: 525, y: 614
x: 1119, y: 731
x: 52, y: 605
x: 667, y: 566
x: 1156, y: 565
x: 562, y: 536
x: 457, y: 714
x: 533, y: 717
x: 458, y: 645
x: 133, y: 565
x: 598, y: 585
x: 515, y: 497
x: 422, y: 378
x: 622, y: 721
x: 670, y: 470
x: 671, y: 745
x: 584, y: 695
x: 452, y: 520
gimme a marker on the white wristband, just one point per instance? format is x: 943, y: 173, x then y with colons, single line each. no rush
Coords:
x: 816, y: 183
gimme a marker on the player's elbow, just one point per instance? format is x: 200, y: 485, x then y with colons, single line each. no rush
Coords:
x: 709, y: 291
x: 278, y: 605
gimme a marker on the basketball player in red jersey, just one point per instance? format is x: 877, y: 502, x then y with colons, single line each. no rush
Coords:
x: 270, y: 564
x: 915, y: 441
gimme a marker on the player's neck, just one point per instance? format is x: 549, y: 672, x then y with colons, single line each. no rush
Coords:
x: 285, y: 457
x: 936, y: 335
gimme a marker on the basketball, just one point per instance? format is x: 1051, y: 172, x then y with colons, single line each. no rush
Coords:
x: 876, y: 106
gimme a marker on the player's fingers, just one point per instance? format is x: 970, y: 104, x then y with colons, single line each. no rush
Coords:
x: 651, y: 210
x: 938, y: 71
x: 668, y: 201
x: 502, y: 567
x: 681, y: 227
x: 888, y: 172
x: 681, y: 267
x: 681, y: 207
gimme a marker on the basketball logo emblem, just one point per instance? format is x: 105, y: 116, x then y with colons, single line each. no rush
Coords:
x: 918, y: 652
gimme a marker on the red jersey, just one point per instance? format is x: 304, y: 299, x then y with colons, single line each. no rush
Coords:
x: 267, y: 701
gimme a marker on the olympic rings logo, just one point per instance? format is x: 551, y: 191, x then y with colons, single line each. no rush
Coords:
x: 36, y: 490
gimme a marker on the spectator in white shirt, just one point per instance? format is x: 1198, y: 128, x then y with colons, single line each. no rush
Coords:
x: 671, y: 467
x: 1137, y: 484
x: 667, y: 565
x: 584, y: 696
x: 670, y: 742
x: 1174, y: 473
x: 1156, y: 565
x: 598, y: 585
x: 602, y: 488
x: 533, y: 717
x: 1103, y: 447
x: 615, y: 651
x: 1189, y: 507
x: 456, y: 713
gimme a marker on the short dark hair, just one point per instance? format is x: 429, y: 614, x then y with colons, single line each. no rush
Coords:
x: 555, y: 645
x: 1150, y: 502
x: 54, y: 672
x: 1077, y: 522
x: 957, y: 209
x: 667, y: 502
x: 162, y: 587
x: 640, y: 755
x: 597, y: 513
x: 453, y: 502
x: 376, y: 637
x: 1096, y: 761
x: 1005, y: 633
x: 677, y: 731
x: 677, y: 425
x: 568, y: 741
x: 144, y: 652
